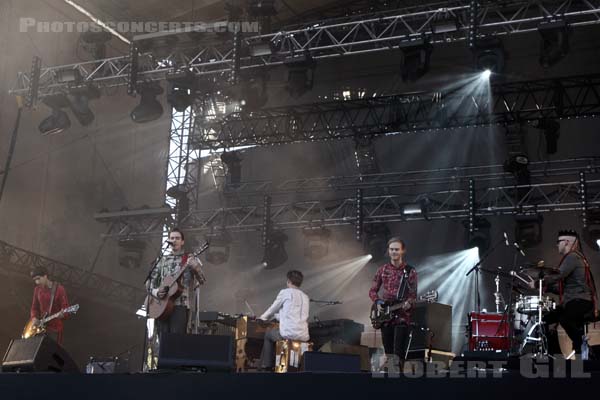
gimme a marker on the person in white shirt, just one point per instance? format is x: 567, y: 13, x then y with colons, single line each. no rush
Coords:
x: 292, y: 304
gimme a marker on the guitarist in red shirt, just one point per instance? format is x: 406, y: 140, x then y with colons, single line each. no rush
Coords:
x: 43, y: 305
x: 399, y: 283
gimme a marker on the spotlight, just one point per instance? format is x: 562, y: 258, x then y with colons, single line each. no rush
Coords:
x: 316, y: 242
x: 415, y: 61
x: 479, y: 236
x: 79, y: 99
x: 181, y: 91
x: 419, y: 208
x: 233, y: 162
x: 486, y: 74
x: 301, y: 74
x: 149, y: 108
x: 57, y: 122
x: 275, y: 254
x: 96, y: 43
x: 528, y: 230
x: 554, y: 43
x: 489, y: 55
x: 375, y: 241
x: 220, y: 245
x: 591, y: 232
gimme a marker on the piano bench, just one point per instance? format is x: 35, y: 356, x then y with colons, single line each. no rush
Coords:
x: 288, y: 355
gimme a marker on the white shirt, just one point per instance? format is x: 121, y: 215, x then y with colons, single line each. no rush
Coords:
x: 293, y: 316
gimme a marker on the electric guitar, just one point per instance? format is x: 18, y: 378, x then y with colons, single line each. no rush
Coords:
x: 32, y: 329
x: 162, y: 308
x: 382, y: 313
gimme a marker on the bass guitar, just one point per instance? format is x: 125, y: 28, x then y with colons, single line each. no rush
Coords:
x: 161, y: 308
x: 382, y: 313
x: 31, y: 329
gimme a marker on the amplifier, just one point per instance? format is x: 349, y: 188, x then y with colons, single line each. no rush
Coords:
x: 37, y: 354
x: 434, y: 327
x: 341, y: 348
x: 338, y: 330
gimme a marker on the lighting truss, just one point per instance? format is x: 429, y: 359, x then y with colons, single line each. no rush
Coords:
x: 565, y: 97
x: 410, y: 179
x: 17, y: 260
x: 492, y: 200
x: 324, y: 39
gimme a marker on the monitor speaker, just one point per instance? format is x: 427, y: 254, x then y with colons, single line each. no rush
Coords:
x: 37, y: 354
x: 210, y: 352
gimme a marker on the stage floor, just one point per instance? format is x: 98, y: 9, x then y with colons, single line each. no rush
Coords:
x: 217, y: 385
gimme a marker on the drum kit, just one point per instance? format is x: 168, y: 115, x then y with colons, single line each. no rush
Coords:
x: 516, y: 327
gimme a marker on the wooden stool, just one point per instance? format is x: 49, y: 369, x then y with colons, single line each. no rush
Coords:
x: 288, y: 354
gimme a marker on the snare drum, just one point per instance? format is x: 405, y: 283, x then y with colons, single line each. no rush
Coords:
x: 529, y: 305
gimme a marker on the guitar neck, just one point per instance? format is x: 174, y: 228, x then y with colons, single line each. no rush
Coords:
x: 51, y: 317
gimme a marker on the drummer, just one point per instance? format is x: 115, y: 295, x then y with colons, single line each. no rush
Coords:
x: 574, y: 284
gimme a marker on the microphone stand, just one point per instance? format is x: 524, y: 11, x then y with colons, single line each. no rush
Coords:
x: 147, y: 305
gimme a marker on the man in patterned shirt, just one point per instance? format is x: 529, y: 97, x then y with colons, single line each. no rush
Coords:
x: 399, y: 281
x: 169, y: 265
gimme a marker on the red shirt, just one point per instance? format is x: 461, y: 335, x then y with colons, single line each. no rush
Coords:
x: 390, y: 277
x: 41, y: 304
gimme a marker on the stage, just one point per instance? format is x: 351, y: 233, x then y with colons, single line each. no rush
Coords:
x: 268, y: 385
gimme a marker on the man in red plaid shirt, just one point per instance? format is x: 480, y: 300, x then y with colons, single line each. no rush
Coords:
x: 399, y: 281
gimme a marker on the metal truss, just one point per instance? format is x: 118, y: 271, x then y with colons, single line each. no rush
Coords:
x: 17, y: 260
x: 560, y: 195
x: 321, y: 40
x: 565, y: 97
x: 538, y: 171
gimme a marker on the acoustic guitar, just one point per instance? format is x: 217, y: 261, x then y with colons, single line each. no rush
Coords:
x: 32, y: 329
x: 162, y: 308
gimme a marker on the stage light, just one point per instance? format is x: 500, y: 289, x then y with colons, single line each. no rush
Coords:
x: 486, y: 74
x: 149, y: 108
x: 181, y: 88
x: 528, y: 230
x: 301, y: 74
x: 489, y: 55
x: 316, y: 243
x: 480, y: 235
x: 233, y: 162
x: 79, y: 99
x: 219, y: 247
x: 415, y: 60
x: 554, y: 45
x: 375, y: 241
x: 96, y: 43
x: 57, y: 122
x: 591, y: 232
x: 275, y: 254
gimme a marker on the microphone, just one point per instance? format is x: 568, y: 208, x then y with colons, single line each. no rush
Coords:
x: 519, y: 248
x: 169, y: 243
x: 506, y: 239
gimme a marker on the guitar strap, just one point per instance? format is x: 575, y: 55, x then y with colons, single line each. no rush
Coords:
x: 55, y: 284
x: 403, y: 287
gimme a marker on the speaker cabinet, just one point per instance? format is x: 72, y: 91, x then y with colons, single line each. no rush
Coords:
x: 438, y: 319
x: 331, y: 362
x: 37, y: 354
x: 213, y: 352
x: 340, y: 348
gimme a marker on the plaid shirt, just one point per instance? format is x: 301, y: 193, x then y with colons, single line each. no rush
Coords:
x: 170, y: 265
x: 390, y: 277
